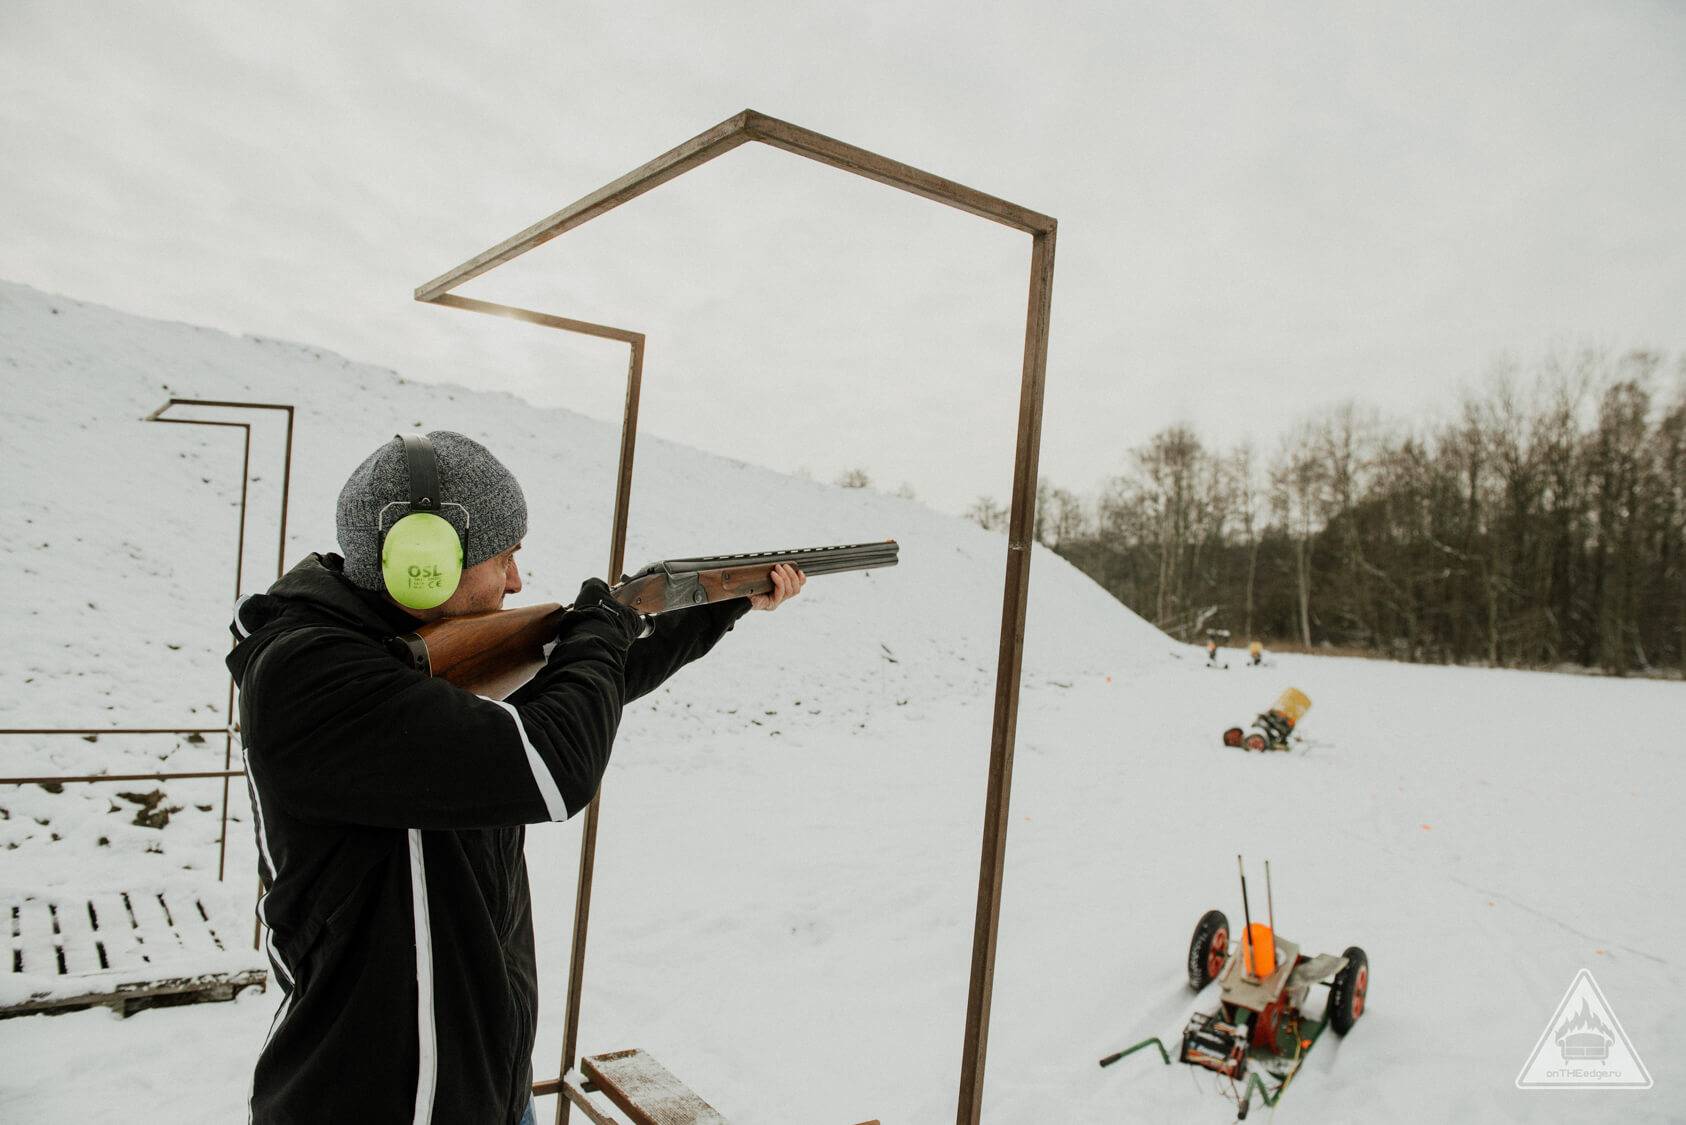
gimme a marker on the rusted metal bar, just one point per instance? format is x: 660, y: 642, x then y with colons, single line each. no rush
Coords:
x: 1009, y: 666
x: 850, y: 158
x: 588, y: 836
x: 115, y: 730
x: 239, y: 578
x: 58, y: 779
x: 236, y: 404
x: 724, y: 137
x: 286, y: 459
x: 228, y: 739
x: 543, y: 320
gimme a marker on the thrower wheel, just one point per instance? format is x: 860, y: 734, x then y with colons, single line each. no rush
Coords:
x: 1347, y: 993
x: 1256, y: 741
x: 1207, y: 949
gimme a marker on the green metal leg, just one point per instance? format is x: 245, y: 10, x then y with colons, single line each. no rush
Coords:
x: 1153, y: 1039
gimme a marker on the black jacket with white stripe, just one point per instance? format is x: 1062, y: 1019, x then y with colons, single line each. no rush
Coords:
x: 389, y: 810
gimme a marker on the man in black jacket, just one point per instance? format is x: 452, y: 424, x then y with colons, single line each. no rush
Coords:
x: 389, y: 806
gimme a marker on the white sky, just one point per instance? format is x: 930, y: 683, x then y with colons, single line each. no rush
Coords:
x: 1262, y: 210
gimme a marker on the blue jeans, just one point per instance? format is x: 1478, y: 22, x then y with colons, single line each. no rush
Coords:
x: 531, y: 1117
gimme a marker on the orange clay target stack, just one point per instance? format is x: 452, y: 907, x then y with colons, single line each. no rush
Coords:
x: 1260, y: 1032
x: 1272, y: 729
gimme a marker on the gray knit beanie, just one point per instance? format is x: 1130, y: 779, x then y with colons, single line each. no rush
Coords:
x: 477, y: 496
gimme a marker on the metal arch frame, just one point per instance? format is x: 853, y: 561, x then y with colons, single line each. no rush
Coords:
x: 239, y: 555
x: 286, y: 455
x: 729, y: 134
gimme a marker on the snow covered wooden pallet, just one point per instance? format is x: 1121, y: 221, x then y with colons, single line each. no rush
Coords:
x: 127, y: 949
x: 642, y: 1089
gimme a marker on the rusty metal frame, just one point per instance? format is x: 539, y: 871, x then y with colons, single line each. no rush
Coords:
x: 239, y: 554
x: 729, y: 134
x: 230, y: 727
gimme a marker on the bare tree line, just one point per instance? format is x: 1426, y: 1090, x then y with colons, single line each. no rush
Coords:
x: 1543, y: 524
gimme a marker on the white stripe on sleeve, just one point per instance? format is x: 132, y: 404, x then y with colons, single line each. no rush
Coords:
x: 427, y: 1070
x: 239, y: 624
x: 541, y: 775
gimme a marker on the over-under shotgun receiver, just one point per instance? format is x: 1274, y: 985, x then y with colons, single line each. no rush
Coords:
x: 494, y: 653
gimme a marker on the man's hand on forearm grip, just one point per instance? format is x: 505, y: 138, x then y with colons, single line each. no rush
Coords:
x: 787, y: 583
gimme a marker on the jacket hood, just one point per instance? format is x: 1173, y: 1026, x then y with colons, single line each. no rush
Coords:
x: 315, y: 592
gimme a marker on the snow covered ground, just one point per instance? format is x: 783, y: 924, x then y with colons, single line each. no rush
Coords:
x: 788, y: 861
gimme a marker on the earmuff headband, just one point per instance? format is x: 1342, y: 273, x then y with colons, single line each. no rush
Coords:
x: 423, y: 468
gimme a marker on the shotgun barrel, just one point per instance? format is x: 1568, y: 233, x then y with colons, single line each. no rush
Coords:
x: 677, y: 583
x: 811, y: 560
x: 494, y: 653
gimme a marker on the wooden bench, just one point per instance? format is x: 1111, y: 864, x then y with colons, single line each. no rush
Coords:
x: 639, y: 1087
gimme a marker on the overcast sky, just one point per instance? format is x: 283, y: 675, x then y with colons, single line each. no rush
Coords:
x: 1264, y: 209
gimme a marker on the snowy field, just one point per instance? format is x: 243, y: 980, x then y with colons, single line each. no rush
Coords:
x: 787, y: 868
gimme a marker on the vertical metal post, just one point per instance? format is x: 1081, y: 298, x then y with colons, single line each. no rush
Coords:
x: 1020, y: 537
x: 1247, y: 919
x: 588, y: 836
x: 239, y: 577
x: 286, y: 488
x: 228, y: 734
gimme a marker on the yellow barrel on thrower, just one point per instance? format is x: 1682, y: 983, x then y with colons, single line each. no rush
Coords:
x: 1292, y: 705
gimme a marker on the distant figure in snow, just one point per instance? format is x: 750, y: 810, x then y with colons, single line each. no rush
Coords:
x: 390, y: 806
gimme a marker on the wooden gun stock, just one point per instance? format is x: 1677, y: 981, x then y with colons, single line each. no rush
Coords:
x: 492, y: 654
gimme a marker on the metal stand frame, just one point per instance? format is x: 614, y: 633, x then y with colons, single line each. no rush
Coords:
x: 229, y: 727
x: 729, y: 134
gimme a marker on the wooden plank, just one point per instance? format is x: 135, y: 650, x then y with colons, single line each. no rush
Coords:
x: 132, y: 998
x: 124, y: 945
x: 38, y: 942
x: 208, y: 927
x: 77, y: 932
x: 107, y: 935
x: 155, y: 917
x: 11, y: 918
x: 646, y: 1092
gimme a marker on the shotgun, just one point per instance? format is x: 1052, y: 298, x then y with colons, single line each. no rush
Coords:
x: 492, y: 654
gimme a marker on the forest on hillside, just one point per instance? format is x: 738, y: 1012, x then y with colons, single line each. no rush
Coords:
x: 1540, y: 523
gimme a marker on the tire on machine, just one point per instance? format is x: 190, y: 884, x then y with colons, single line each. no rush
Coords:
x: 1348, y: 991
x: 1207, y: 948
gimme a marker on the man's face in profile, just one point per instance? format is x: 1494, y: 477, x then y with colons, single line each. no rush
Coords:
x: 482, y: 589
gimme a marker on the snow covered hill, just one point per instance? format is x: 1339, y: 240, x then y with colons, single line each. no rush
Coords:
x: 787, y: 867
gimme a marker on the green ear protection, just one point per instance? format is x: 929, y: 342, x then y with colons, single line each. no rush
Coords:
x: 421, y: 556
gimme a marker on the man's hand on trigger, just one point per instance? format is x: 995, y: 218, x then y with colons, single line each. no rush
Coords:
x: 787, y: 583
